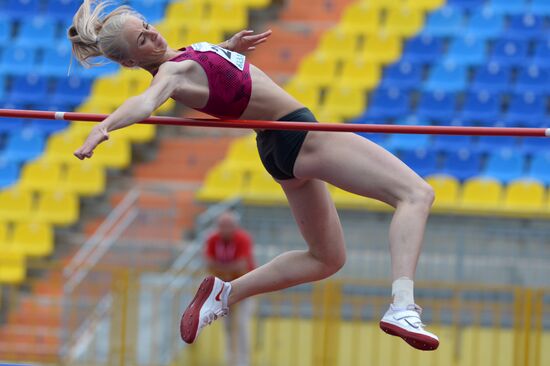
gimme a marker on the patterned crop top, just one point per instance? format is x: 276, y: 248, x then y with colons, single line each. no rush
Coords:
x: 229, y: 80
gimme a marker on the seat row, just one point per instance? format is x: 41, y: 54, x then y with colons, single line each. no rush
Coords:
x: 33, y: 239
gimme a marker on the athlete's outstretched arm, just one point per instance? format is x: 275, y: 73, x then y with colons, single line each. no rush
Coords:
x: 245, y: 41
x: 133, y: 110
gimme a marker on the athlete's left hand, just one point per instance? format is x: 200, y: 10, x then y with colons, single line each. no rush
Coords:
x: 246, y: 41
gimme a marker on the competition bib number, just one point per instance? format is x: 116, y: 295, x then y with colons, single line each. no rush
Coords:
x: 233, y: 57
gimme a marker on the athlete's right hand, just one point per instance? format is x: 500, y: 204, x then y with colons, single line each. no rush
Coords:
x: 96, y: 137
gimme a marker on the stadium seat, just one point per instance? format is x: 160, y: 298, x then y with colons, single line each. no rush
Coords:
x: 340, y: 39
x: 451, y: 143
x: 243, y: 155
x: 422, y: 49
x: 57, y: 207
x: 229, y: 16
x: 361, y: 18
x: 31, y: 88
x: 388, y: 103
x: 482, y: 108
x: 505, y: 165
x: 60, y: 148
x: 173, y: 33
x: 492, y: 77
x: 33, y: 238
x: 534, y: 145
x: 485, y: 24
x: 538, y: 168
x: 194, y: 10
x: 462, y: 163
x: 446, y: 77
x: 446, y: 189
x: 526, y: 109
x: 444, y: 22
x: 422, y: 161
x: 540, y: 7
x: 3, y: 234
x: 20, y: 8
x: 5, y: 31
x: 531, y: 78
x: 16, y: 204
x: 84, y: 178
x: 487, y: 144
x: 381, y: 48
x: 200, y: 33
x: 436, y: 106
x: 73, y: 89
x: 479, y: 194
x: 344, y: 101
x: 317, y: 70
x: 404, y: 143
x: 221, y: 183
x: 508, y: 7
x: 465, y: 4
x: 17, y: 60
x: 510, y: 52
x: 308, y: 95
x: 36, y: 30
x: 403, y: 75
x: 541, y: 56
x: 24, y: 145
x: 152, y: 10
x: 360, y: 74
x: 62, y: 8
x: 113, y: 153
x: 526, y: 27
x: 40, y: 175
x: 524, y: 196
x: 425, y: 5
x: 403, y: 21
x: 263, y: 189
x: 467, y: 51
x: 12, y: 267
x: 47, y: 127
x: 9, y: 172
x: 56, y: 61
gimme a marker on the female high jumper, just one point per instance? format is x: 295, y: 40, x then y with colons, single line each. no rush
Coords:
x: 219, y: 80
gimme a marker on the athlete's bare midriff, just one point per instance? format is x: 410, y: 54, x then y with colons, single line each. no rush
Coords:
x: 267, y: 102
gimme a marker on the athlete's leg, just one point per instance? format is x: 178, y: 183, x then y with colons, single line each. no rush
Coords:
x: 359, y: 166
x: 319, y: 224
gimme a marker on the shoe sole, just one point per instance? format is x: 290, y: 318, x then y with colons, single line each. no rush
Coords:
x: 418, y: 341
x: 190, y: 319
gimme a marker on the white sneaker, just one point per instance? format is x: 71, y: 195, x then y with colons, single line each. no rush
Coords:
x: 209, y: 303
x: 406, y: 323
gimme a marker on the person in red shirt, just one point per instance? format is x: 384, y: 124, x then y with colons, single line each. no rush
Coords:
x: 229, y: 255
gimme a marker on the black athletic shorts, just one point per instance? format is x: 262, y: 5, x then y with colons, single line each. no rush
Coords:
x: 279, y: 149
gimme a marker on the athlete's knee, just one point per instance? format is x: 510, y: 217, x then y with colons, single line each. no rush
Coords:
x: 420, y: 193
x: 332, y: 261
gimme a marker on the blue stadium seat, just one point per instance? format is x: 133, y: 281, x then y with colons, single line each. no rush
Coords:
x: 492, y: 77
x: 9, y: 173
x: 55, y: 61
x: 24, y: 145
x: 482, y: 108
x: 511, y: 52
x: 422, y: 49
x: 422, y: 161
x: 152, y: 10
x: 9, y: 125
x: 29, y: 89
x: 38, y: 30
x: 47, y: 127
x: 451, y: 143
x: 17, y: 60
x: 445, y: 22
x: 62, y: 8
x: 462, y: 163
x: 533, y: 79
x: 466, y: 51
x: 5, y: 30
x: 404, y: 75
x: 526, y: 27
x: 2, y: 87
x: 526, y: 109
x: 508, y: 6
x: 388, y: 103
x: 71, y: 90
x: 436, y: 106
x: 447, y: 77
x: 535, y: 145
x: 19, y: 8
x: 541, y: 56
x: 505, y: 165
x: 485, y: 24
x: 106, y: 67
x: 465, y: 4
x: 538, y: 168
x: 487, y: 144
x: 404, y: 142
x: 540, y: 7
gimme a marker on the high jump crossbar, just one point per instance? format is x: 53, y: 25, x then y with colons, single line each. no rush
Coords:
x: 280, y: 125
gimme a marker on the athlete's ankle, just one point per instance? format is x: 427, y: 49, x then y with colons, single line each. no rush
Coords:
x: 403, y: 292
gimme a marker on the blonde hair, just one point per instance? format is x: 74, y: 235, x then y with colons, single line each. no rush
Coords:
x: 94, y: 33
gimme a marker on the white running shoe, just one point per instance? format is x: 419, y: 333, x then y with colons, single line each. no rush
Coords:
x: 406, y: 323
x: 209, y: 303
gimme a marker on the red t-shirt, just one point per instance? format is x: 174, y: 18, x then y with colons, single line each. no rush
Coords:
x: 227, y: 251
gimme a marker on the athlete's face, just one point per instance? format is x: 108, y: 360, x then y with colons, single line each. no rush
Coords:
x: 146, y: 45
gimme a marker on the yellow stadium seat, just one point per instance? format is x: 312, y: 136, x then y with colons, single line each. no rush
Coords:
x: 344, y: 101
x: 243, y: 155
x: 92, y: 105
x: 383, y: 4
x: 16, y: 204
x: 308, y: 95
x: 361, y: 18
x: 33, y: 239
x: 481, y: 194
x: 339, y: 43
x: 524, y: 196
x: 228, y: 16
x: 324, y: 116
x: 358, y: 73
x: 257, y: 4
x: 221, y: 183
x: 58, y: 207
x: 264, y: 190
x: 382, y: 48
x: 12, y: 267
x: 173, y: 33
x: 84, y: 178
x: 185, y: 12
x: 41, y: 175
x: 404, y: 21
x: 426, y: 5
x: 210, y: 34
x: 136, y: 133
x: 317, y: 69
x: 113, y: 153
x: 3, y: 234
x: 446, y: 190
x: 111, y: 89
